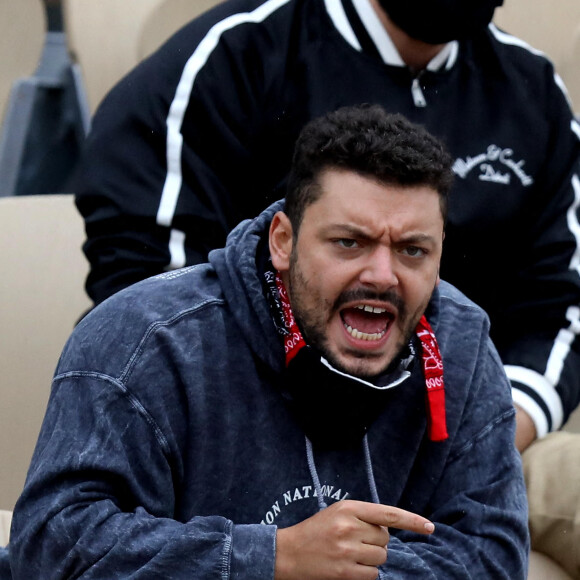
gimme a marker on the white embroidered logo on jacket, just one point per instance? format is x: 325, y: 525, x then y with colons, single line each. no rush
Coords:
x: 491, y: 165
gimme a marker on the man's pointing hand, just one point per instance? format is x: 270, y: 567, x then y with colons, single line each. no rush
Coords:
x: 346, y: 541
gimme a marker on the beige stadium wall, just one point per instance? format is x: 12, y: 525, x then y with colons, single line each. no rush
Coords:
x: 42, y: 297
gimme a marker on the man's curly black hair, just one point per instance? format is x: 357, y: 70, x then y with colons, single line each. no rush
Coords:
x: 371, y: 142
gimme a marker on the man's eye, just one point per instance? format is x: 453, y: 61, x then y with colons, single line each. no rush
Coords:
x: 347, y: 243
x: 414, y: 251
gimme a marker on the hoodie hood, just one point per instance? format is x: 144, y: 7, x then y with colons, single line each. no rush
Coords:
x: 236, y: 268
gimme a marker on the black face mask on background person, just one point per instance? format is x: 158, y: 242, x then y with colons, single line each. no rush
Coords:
x: 440, y: 21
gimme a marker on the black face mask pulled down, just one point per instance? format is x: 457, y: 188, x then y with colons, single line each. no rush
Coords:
x: 440, y: 21
x: 333, y: 409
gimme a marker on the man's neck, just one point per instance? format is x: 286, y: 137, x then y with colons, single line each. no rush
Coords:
x: 416, y: 54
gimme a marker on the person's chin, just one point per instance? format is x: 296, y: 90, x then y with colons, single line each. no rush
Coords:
x: 365, y: 364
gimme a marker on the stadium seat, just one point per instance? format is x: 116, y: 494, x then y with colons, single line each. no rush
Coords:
x: 42, y: 296
x: 22, y: 30
x: 46, y: 116
x: 5, y: 520
x: 544, y: 568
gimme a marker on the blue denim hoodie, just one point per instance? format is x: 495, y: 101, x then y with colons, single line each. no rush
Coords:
x: 168, y: 449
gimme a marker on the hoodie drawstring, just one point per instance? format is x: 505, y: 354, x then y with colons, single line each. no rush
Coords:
x: 370, y: 473
x: 316, y: 480
x: 314, y: 475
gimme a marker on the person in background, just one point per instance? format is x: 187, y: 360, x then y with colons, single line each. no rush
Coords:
x: 309, y: 402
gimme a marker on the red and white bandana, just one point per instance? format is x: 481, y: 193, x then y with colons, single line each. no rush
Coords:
x: 433, y: 371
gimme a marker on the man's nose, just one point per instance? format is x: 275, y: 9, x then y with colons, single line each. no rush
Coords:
x: 379, y: 269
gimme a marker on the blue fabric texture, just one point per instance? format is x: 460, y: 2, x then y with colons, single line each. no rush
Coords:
x: 168, y: 449
x: 5, y: 573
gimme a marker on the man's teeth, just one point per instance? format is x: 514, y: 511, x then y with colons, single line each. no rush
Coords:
x: 372, y: 309
x: 363, y: 335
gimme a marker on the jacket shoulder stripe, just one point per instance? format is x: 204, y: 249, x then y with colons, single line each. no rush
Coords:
x: 338, y: 16
x: 506, y: 38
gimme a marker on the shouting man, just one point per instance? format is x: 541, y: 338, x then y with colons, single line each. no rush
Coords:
x: 311, y: 404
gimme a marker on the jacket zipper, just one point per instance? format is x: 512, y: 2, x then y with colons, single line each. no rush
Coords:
x: 417, y: 92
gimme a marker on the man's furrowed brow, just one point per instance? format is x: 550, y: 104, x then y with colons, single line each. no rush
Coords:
x: 349, y: 230
x: 417, y: 238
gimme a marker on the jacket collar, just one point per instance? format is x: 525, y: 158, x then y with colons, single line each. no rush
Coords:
x: 359, y: 25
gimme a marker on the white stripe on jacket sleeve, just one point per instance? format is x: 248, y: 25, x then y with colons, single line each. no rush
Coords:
x: 174, y: 178
x: 545, y: 385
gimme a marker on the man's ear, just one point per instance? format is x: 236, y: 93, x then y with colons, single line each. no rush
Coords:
x: 281, y: 241
x: 439, y: 267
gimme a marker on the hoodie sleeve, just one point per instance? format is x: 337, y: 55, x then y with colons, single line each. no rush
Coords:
x: 479, y: 507
x: 100, y: 499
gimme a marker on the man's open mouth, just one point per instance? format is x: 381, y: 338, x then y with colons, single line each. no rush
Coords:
x: 365, y: 322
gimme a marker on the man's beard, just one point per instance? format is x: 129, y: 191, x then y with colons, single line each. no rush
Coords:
x: 313, y: 321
